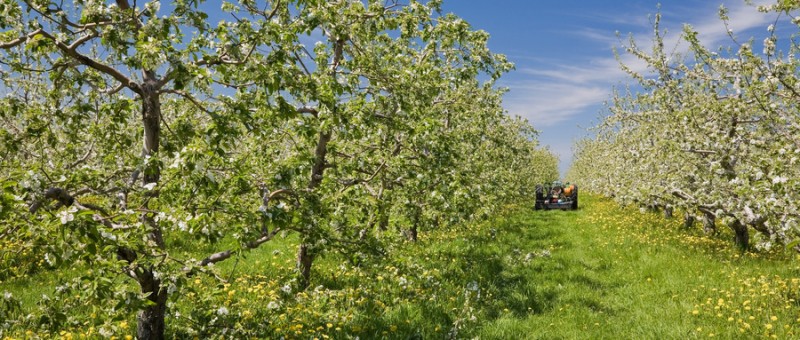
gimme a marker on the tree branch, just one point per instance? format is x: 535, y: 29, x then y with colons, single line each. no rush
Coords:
x: 224, y: 255
x: 193, y: 100
x: 314, y: 112
x: 108, y: 70
x: 82, y: 159
x: 705, y: 208
x: 702, y: 152
x: 80, y: 41
x: 20, y: 40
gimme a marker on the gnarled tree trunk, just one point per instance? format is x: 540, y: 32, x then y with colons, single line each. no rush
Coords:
x: 668, y: 211
x: 305, y: 259
x: 741, y: 234
x: 150, y: 323
x: 688, y: 220
x: 151, y: 119
x: 709, y: 223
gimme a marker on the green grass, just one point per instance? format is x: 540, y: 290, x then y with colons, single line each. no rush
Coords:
x: 601, y: 272
x: 617, y: 273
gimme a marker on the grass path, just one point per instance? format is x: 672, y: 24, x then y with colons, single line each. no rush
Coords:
x: 615, y: 273
x: 601, y: 272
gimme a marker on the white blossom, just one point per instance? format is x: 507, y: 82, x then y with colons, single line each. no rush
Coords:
x: 287, y: 289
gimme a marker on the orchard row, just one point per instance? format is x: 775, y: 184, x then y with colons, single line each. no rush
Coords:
x: 127, y: 130
x: 713, y: 133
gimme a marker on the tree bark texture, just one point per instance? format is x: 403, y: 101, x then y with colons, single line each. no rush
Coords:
x: 150, y: 323
x: 688, y: 220
x: 305, y: 259
x: 709, y: 224
x: 668, y: 211
x: 741, y: 234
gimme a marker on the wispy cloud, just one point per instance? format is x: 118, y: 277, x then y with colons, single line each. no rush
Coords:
x: 742, y: 19
x: 545, y: 104
x: 556, y: 91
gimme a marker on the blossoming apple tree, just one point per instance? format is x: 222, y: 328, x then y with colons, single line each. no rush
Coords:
x: 711, y: 132
x: 135, y: 134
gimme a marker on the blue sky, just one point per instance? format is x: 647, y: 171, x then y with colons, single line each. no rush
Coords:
x: 565, y: 66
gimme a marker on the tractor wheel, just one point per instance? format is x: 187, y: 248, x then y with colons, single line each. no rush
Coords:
x: 575, y: 203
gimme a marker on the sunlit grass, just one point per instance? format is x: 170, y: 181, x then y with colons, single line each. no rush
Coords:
x: 632, y: 275
x: 599, y: 272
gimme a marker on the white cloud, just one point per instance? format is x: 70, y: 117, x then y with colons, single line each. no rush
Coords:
x: 545, y: 104
x: 557, y: 92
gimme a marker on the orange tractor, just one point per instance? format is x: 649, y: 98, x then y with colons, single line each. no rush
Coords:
x: 556, y: 196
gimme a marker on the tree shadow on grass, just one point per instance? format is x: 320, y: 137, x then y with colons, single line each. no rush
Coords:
x: 537, y: 272
x: 511, y: 267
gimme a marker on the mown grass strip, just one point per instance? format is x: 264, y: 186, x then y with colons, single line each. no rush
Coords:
x: 601, y: 272
x: 618, y: 273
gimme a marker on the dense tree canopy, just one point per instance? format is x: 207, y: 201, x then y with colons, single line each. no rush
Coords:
x: 133, y: 132
x: 714, y: 133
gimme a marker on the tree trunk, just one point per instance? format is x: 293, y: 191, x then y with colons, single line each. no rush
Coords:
x: 668, y: 211
x: 688, y: 220
x: 411, y: 233
x: 383, y: 215
x: 305, y: 259
x: 319, y: 160
x: 384, y: 223
x: 709, y: 224
x: 150, y: 323
x: 151, y: 119
x: 741, y: 235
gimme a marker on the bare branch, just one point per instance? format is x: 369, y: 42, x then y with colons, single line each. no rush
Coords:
x: 314, y: 112
x: 705, y: 208
x: 82, y: 159
x: 216, y: 257
x: 262, y: 239
x: 372, y: 176
x: 702, y: 152
x: 82, y: 40
x: 111, y: 91
x: 20, y: 40
x: 103, y: 68
x: 280, y: 192
x: 224, y: 255
x: 190, y: 98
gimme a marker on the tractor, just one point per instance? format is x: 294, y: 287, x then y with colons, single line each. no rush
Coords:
x: 556, y: 196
